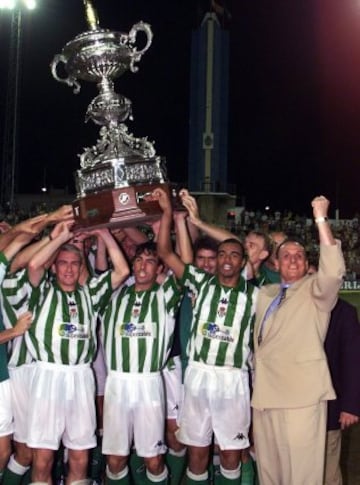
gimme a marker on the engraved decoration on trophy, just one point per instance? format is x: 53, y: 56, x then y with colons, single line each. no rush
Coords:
x: 119, y: 172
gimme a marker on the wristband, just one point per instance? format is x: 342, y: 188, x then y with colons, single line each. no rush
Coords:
x: 319, y: 220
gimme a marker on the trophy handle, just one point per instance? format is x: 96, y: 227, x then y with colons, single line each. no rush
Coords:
x: 70, y: 81
x: 136, y: 55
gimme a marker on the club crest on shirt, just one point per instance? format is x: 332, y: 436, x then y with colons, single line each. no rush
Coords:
x: 131, y: 329
x: 214, y: 331
x: 222, y: 307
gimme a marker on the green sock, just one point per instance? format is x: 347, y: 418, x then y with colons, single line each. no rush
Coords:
x: 58, y: 470
x: 214, y: 467
x: 96, y: 463
x: 11, y: 478
x: 26, y: 479
x: 137, y: 469
x: 247, y: 473
x: 256, y: 476
x: 176, y: 464
x: 14, y: 473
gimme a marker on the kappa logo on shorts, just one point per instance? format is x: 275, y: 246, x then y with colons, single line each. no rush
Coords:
x: 239, y: 436
x: 159, y: 444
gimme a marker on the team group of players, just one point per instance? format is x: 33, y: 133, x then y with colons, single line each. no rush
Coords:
x: 57, y: 313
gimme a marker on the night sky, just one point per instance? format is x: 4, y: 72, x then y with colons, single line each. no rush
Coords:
x: 294, y: 116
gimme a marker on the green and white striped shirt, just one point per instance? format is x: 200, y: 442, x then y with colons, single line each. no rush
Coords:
x: 64, y: 326
x: 223, y: 320
x: 138, y: 327
x: 14, y: 298
x: 4, y: 373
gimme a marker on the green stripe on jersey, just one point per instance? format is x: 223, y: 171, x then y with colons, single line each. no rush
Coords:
x: 64, y: 326
x: 222, y: 323
x: 139, y: 326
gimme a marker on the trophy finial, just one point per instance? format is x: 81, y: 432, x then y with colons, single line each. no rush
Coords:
x: 91, y: 15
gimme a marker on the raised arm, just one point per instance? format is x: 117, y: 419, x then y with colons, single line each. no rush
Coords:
x: 120, y: 269
x: 18, y: 236
x: 183, y: 242
x: 62, y: 214
x: 137, y: 236
x: 320, y: 207
x: 39, y: 262
x: 101, y: 260
x: 328, y: 279
x: 215, y: 232
x: 165, y: 249
x: 21, y: 326
x: 22, y: 258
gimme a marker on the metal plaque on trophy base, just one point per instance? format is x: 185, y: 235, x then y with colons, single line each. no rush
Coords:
x: 120, y: 171
x: 115, y: 207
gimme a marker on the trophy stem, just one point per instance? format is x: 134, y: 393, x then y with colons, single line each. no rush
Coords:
x: 91, y: 15
x: 105, y: 86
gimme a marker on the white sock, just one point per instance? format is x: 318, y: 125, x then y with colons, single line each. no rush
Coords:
x: 157, y: 478
x: 117, y: 476
x: 230, y: 474
x: 16, y: 467
x: 197, y: 478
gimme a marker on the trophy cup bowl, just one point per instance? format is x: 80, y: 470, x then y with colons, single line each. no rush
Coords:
x: 119, y: 173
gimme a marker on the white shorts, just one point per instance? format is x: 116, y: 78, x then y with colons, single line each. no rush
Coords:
x: 216, y: 400
x: 100, y: 371
x: 174, y: 389
x: 20, y: 378
x: 62, y: 407
x: 134, y: 410
x: 6, y: 415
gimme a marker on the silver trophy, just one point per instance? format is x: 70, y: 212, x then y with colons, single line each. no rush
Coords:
x: 119, y: 172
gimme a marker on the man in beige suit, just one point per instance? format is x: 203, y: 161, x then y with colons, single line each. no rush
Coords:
x: 292, y: 379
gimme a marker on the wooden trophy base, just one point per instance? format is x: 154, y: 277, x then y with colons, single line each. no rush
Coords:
x: 118, y: 207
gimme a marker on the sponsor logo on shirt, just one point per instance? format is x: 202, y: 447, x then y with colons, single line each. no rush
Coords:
x: 132, y: 329
x: 214, y: 331
x: 73, y: 331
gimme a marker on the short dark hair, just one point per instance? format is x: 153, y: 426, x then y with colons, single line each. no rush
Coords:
x: 233, y: 240
x: 148, y: 247
x: 294, y: 240
x: 205, y: 242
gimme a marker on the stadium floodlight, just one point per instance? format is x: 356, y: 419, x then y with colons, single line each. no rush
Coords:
x: 8, y: 4
x: 12, y: 4
x: 30, y: 4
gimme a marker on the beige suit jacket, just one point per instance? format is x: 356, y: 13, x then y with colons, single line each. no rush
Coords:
x: 290, y: 364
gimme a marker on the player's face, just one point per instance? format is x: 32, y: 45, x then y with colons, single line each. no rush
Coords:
x: 67, y: 269
x: 292, y: 262
x: 206, y: 259
x: 145, y: 268
x: 229, y: 260
x: 255, y: 249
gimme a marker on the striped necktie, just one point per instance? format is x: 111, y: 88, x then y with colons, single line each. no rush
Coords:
x: 271, y: 308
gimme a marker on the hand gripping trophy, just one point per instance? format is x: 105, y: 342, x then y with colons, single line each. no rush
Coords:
x: 118, y: 174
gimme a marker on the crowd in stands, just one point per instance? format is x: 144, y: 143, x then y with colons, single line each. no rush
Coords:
x: 347, y: 230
